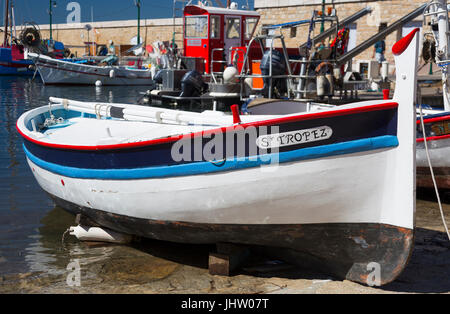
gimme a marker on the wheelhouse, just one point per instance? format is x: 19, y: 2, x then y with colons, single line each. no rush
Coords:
x: 212, y: 34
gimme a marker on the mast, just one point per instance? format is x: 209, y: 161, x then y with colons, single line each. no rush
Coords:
x: 5, y: 41
x: 13, y: 20
x: 443, y: 48
x: 322, y: 24
x: 138, y: 4
x: 50, y: 12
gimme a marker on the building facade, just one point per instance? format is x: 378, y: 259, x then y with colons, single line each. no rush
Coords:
x: 120, y: 32
x: 272, y: 12
x: 383, y: 11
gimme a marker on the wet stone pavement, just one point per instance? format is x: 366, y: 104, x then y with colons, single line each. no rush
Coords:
x: 159, y: 267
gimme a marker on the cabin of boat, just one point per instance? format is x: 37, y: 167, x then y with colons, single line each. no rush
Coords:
x: 211, y: 33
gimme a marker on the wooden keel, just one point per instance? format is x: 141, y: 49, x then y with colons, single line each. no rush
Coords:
x: 345, y: 250
x: 442, y: 177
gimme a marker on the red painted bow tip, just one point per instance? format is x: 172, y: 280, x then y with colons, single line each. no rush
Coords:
x: 401, y: 45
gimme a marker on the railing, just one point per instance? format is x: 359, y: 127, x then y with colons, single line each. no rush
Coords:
x: 221, y: 61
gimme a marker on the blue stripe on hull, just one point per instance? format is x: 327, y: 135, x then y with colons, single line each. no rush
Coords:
x: 346, y: 128
x: 387, y: 141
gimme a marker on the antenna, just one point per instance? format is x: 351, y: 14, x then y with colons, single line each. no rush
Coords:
x: 88, y: 27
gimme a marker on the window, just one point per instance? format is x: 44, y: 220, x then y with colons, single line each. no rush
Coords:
x: 215, y: 27
x: 352, y: 37
x: 233, y: 28
x: 293, y: 32
x: 264, y: 29
x: 250, y: 25
x: 196, y: 26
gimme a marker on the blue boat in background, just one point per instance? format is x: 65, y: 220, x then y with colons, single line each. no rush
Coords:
x: 12, y: 61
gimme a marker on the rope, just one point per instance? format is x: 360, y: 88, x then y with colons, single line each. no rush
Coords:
x: 108, y: 111
x: 35, y: 72
x: 431, y: 171
x: 97, y: 108
x: 50, y: 108
x: 63, y: 236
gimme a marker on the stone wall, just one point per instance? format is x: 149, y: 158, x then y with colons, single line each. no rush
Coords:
x: 272, y: 12
x: 280, y: 11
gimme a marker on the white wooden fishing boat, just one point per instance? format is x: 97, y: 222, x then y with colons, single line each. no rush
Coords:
x: 334, y: 186
x: 55, y: 71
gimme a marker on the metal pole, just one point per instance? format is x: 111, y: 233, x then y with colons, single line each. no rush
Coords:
x: 286, y: 59
x: 138, y: 3
x: 443, y: 48
x: 5, y: 41
x: 13, y: 20
x: 270, y: 69
x: 322, y: 25
x: 173, y: 20
x: 388, y: 30
x: 50, y: 12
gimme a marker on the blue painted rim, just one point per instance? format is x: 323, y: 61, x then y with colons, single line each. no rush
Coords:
x: 196, y: 168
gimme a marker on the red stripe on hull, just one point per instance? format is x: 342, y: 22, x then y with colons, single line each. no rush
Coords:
x: 309, y: 116
x: 433, y: 138
x: 431, y: 120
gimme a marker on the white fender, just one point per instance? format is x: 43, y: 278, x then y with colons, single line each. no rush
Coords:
x: 84, y: 233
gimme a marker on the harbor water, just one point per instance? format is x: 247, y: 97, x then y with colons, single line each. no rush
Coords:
x: 34, y: 258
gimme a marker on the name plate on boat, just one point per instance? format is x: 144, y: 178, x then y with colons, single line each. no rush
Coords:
x: 294, y: 137
x: 441, y: 128
x: 194, y: 42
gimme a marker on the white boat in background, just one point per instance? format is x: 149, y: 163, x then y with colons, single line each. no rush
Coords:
x: 436, y: 123
x: 55, y: 71
x: 437, y: 131
x: 333, y: 188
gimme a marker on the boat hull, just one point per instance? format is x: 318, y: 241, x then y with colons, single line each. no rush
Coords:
x: 437, y: 129
x: 333, y: 189
x: 346, y: 250
x: 15, y: 69
x: 63, y: 72
x: 12, y: 62
x: 314, y: 226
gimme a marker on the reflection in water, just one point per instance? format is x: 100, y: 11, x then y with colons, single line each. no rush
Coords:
x: 46, y: 253
x: 30, y: 226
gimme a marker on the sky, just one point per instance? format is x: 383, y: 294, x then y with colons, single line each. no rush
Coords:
x: 103, y: 10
